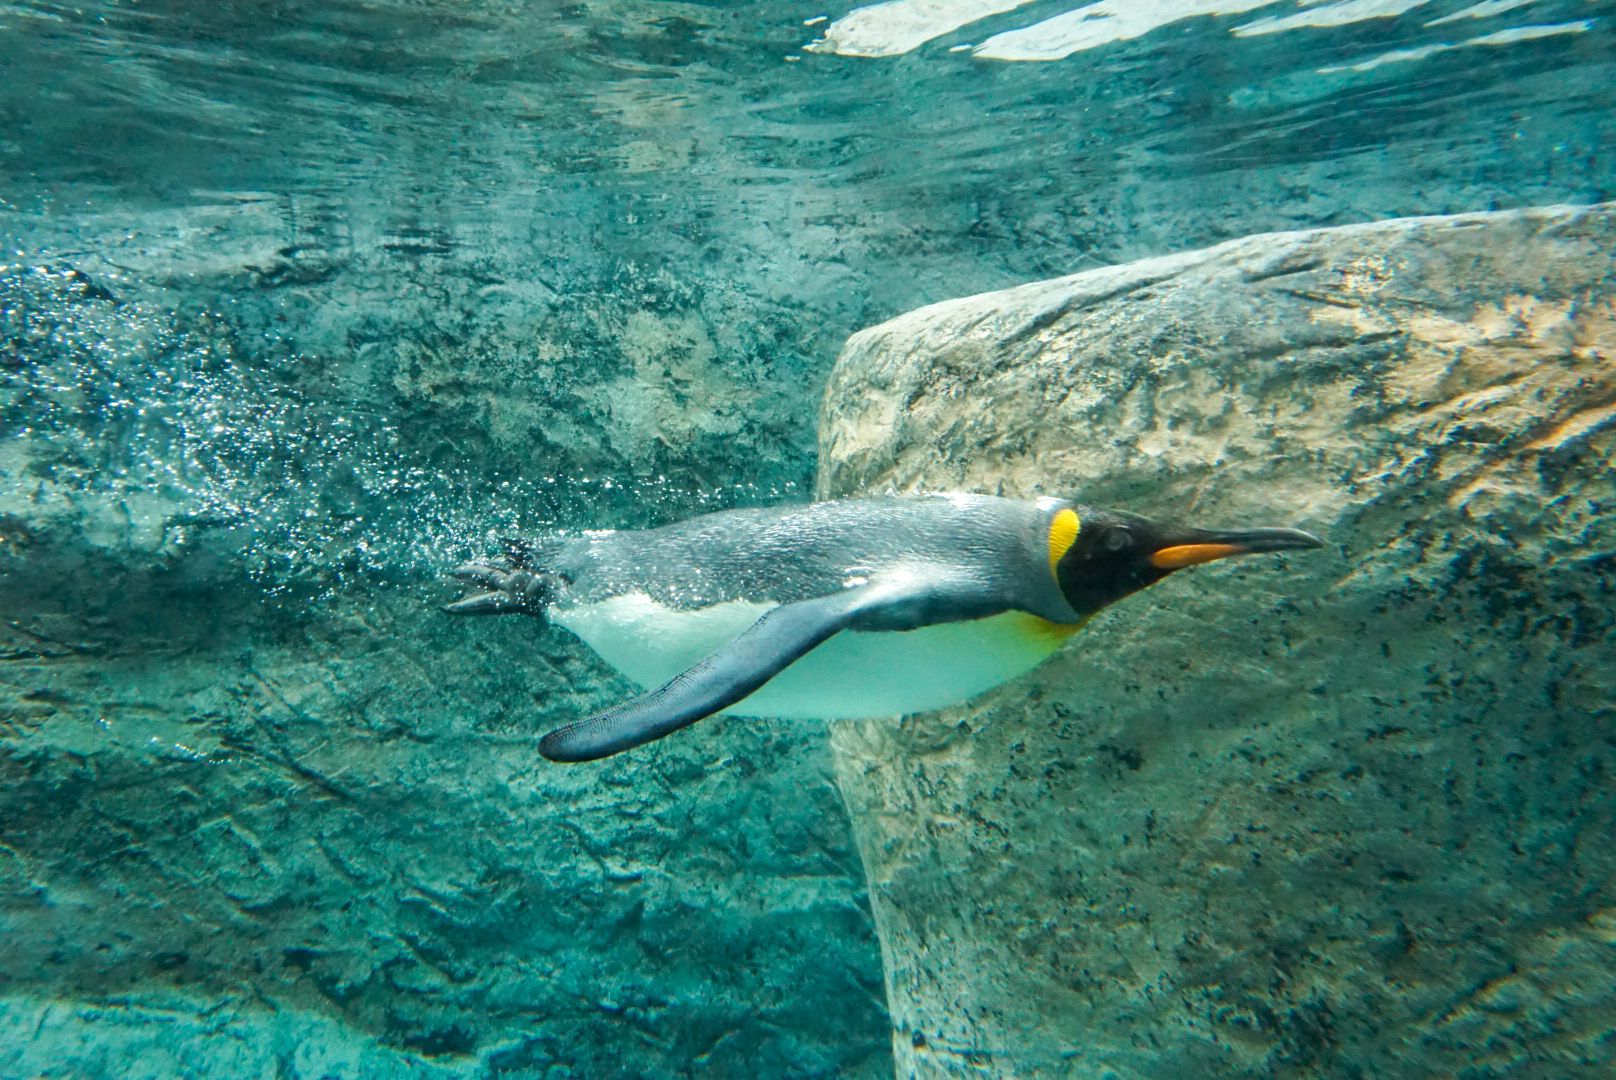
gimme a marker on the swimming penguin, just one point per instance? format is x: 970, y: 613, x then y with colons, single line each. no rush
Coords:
x: 835, y: 610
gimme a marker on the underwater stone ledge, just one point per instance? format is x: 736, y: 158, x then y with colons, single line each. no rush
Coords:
x: 1341, y: 813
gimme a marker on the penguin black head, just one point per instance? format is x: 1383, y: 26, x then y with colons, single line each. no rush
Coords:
x: 1100, y: 556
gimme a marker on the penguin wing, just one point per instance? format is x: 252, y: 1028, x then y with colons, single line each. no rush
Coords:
x: 782, y: 636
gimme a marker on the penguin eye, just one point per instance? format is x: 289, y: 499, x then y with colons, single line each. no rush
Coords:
x: 1118, y: 539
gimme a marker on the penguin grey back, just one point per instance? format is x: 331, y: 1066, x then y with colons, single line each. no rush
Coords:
x: 784, y: 555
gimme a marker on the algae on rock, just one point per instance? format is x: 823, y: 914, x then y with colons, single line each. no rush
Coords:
x: 1345, y: 813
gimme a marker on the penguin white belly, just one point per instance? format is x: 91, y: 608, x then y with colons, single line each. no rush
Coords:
x: 852, y: 675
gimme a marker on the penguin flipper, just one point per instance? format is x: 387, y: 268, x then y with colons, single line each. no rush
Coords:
x: 781, y: 637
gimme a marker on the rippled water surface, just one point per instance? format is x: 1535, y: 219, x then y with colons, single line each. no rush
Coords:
x: 303, y: 303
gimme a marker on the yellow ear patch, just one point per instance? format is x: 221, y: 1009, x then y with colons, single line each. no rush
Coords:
x: 1063, y: 530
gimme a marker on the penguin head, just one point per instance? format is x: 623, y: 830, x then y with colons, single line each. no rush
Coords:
x: 1100, y: 556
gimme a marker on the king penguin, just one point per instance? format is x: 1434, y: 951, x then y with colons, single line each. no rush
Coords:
x: 834, y: 610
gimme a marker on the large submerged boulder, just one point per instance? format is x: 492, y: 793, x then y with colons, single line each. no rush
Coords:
x: 1343, y: 813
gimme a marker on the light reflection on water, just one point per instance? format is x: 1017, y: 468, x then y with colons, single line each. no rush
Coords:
x: 483, y: 105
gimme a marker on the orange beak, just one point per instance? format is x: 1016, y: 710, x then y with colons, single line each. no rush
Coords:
x: 1181, y: 555
x: 1210, y: 546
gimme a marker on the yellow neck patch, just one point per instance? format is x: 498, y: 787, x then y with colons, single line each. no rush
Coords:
x: 1052, y: 634
x: 1063, y: 529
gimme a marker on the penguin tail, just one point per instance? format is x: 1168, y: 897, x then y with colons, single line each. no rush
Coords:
x: 524, y: 554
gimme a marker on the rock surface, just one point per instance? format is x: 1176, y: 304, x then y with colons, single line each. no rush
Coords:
x: 265, y: 811
x: 1344, y: 813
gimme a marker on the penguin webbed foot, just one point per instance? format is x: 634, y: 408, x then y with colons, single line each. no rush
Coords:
x: 510, y: 589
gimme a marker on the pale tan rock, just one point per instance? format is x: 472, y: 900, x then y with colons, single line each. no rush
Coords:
x: 1341, y: 813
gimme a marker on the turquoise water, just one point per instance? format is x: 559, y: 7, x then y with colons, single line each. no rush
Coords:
x: 303, y: 304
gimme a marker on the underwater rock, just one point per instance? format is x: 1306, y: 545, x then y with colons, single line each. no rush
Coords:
x: 328, y: 841
x: 264, y: 810
x: 1344, y: 813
